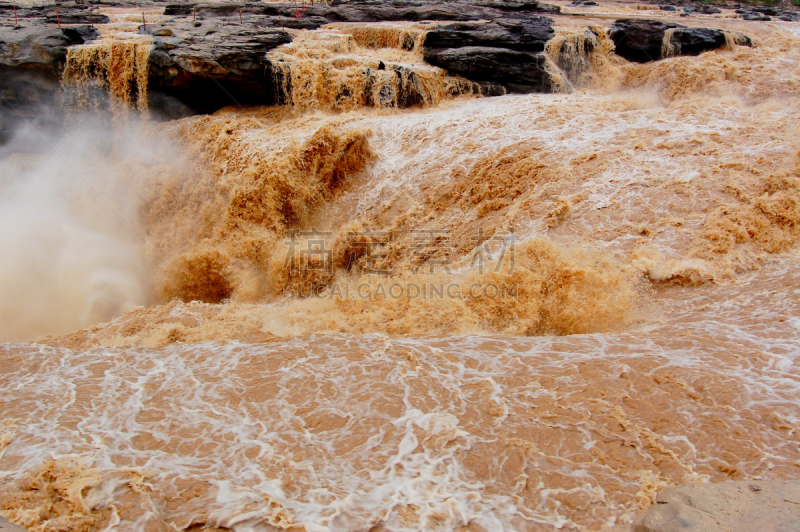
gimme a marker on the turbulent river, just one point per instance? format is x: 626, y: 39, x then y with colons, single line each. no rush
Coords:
x: 526, y: 312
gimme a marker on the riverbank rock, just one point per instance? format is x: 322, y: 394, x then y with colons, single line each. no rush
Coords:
x: 31, y: 61
x: 642, y: 41
x: 211, y: 64
x: 506, y: 52
x: 527, y: 35
x: 768, y: 506
x: 371, y: 10
x: 522, y: 72
x: 5, y: 526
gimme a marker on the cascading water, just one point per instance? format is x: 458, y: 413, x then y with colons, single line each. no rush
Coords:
x: 338, y: 337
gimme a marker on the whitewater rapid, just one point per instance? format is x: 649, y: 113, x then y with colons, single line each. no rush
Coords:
x: 652, y: 339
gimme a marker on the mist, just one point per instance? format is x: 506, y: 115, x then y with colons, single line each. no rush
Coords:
x: 71, y: 249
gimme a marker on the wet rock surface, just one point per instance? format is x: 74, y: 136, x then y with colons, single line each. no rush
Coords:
x: 368, y: 11
x: 208, y: 65
x: 764, y: 506
x: 517, y: 71
x: 642, y: 41
x: 207, y: 56
x: 31, y: 61
x: 506, y: 52
x: 527, y: 35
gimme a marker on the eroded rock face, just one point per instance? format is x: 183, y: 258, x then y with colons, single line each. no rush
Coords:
x: 208, y: 65
x: 522, y: 72
x: 526, y: 35
x: 372, y: 11
x: 31, y: 61
x: 642, y: 41
x: 506, y: 52
x: 695, y: 41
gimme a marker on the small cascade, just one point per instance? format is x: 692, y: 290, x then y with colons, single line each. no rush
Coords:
x: 118, y: 66
x: 571, y: 50
x: 331, y: 70
x: 381, y: 35
x: 668, y: 48
x: 582, y: 57
x: 734, y: 38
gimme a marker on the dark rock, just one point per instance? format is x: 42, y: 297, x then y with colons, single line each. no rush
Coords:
x: 766, y: 10
x: 505, y: 52
x: 212, y: 66
x: 370, y: 11
x: 528, y: 35
x: 80, y: 34
x: 640, y: 40
x: 518, y: 71
x: 36, y: 47
x: 707, y: 9
x: 695, y: 41
x: 668, y: 8
x: 702, y: 9
x: 747, y: 14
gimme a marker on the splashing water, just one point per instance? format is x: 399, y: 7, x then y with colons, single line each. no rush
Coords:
x: 651, y: 339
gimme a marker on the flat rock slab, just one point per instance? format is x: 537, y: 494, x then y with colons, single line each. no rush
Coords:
x: 5, y: 526
x: 750, y: 506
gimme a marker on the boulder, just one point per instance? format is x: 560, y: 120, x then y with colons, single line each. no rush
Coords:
x: 695, y: 41
x: 211, y: 64
x: 640, y: 40
x: 747, y: 14
x: 31, y: 61
x: 526, y: 35
x: 371, y: 10
x: 517, y: 71
x: 703, y: 9
x: 507, y: 52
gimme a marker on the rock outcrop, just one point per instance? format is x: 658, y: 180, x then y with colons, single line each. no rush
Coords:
x: 522, y: 72
x: 210, y: 65
x: 207, y: 56
x: 764, y: 13
x: 768, y: 506
x: 642, y: 41
x: 31, y: 61
x: 505, y: 52
x: 368, y: 11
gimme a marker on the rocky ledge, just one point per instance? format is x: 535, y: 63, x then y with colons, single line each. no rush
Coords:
x: 506, y: 51
x: 5, y: 526
x: 754, y: 506
x: 206, y: 56
x: 642, y: 41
